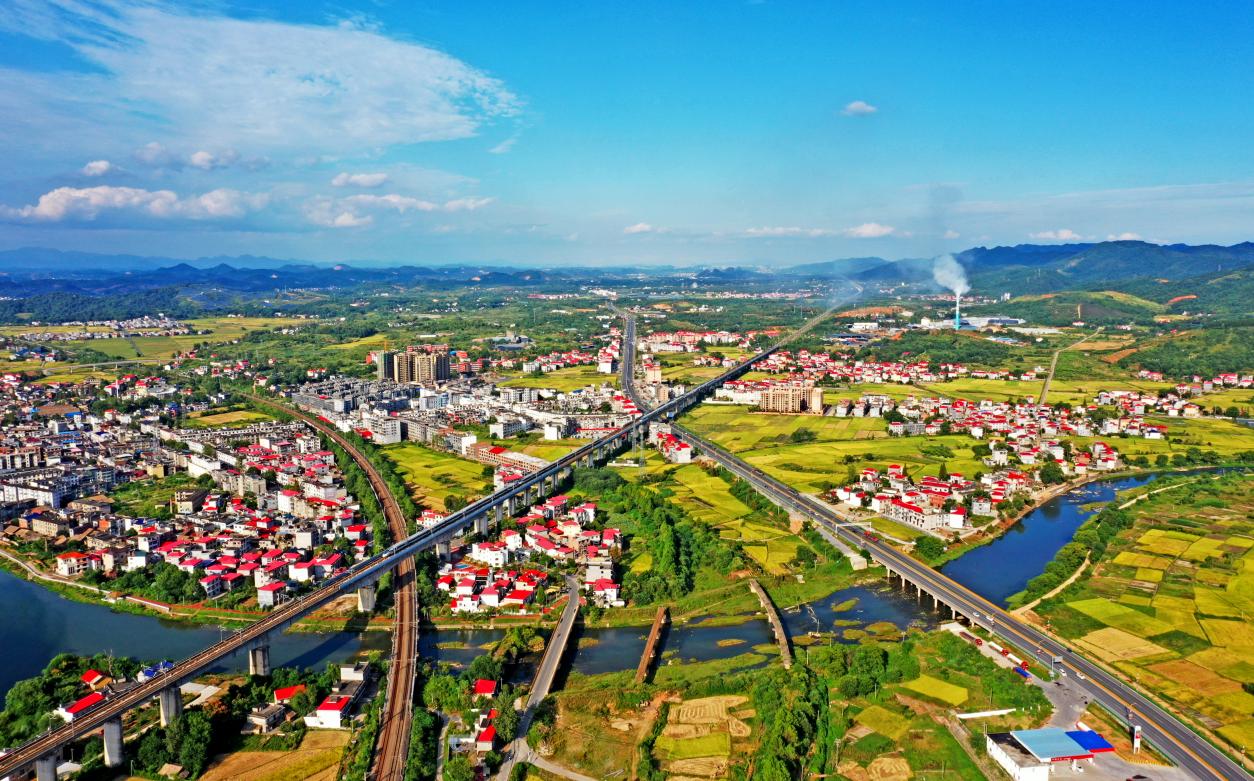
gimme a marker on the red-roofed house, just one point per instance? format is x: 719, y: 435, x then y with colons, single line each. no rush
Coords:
x: 285, y: 694
x: 484, y: 687
x: 79, y: 707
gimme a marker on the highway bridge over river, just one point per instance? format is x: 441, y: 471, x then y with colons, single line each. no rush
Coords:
x: 1185, y: 747
x: 44, y: 751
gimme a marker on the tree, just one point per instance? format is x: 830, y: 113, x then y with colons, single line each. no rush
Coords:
x: 152, y: 752
x: 801, y: 435
x: 453, y: 503
x: 928, y: 548
x: 194, y: 751
x: 458, y: 769
x: 1051, y: 473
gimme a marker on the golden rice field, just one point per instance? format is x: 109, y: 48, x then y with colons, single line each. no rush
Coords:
x: 1170, y: 603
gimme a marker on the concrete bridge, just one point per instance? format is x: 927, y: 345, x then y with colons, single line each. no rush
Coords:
x: 649, y: 655
x: 43, y: 752
x: 777, y: 625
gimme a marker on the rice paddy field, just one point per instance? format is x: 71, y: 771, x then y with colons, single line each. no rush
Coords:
x: 222, y: 329
x: 764, y: 441
x: 568, y: 379
x: 433, y: 475
x: 211, y: 419
x: 1170, y: 602
x: 707, y: 498
x: 77, y: 375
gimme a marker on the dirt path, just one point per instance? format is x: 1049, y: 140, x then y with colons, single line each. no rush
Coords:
x: 1019, y: 611
x: 1053, y: 364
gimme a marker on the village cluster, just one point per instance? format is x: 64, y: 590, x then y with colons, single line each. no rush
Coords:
x: 496, y: 574
x: 269, y: 509
x: 155, y: 325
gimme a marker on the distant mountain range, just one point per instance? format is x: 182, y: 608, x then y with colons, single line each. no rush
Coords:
x: 1022, y: 269
x: 1044, y: 268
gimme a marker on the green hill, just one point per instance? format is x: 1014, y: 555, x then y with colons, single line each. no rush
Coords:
x: 1106, y: 307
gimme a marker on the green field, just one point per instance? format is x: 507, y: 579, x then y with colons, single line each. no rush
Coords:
x: 738, y: 428
x: 434, y: 475
x: 211, y: 419
x: 708, y: 499
x: 812, y: 467
x: 223, y: 329
x: 938, y: 689
x: 78, y: 375
x: 568, y: 379
x: 883, y: 721
x: 716, y: 744
x: 1170, y: 600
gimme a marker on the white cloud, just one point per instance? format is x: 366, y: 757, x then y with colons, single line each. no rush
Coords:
x: 207, y: 161
x: 639, y: 227
x: 154, y: 154
x: 780, y: 231
x: 200, y: 81
x: 466, y: 204
x: 1125, y: 236
x: 350, y: 220
x: 348, y: 212
x: 400, y: 203
x: 858, y: 108
x: 952, y: 234
x: 504, y: 146
x: 97, y: 168
x: 345, y: 179
x: 87, y: 203
x: 1062, y: 234
x: 869, y: 230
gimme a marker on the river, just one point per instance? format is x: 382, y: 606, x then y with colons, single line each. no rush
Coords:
x: 42, y: 624
x: 38, y: 623
x: 1032, y: 542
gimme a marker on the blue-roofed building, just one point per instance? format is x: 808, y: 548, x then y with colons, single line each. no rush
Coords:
x: 1028, y: 755
x: 1091, y: 740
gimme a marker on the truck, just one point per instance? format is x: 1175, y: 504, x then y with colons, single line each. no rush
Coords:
x: 971, y: 639
x: 1026, y: 675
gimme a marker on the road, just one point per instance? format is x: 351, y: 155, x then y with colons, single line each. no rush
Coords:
x: 364, y: 572
x: 1186, y: 748
x: 545, y: 672
x: 48, y: 577
x: 1053, y: 364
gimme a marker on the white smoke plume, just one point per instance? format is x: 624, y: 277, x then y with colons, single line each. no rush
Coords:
x: 949, y: 274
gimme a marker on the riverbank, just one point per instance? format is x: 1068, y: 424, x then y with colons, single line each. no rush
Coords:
x: 996, y: 531
x: 199, y: 614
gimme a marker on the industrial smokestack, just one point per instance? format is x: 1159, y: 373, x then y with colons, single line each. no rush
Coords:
x: 957, y: 311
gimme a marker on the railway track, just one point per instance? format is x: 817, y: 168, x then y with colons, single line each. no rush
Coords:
x: 392, y: 749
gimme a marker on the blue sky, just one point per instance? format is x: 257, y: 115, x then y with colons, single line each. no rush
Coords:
x: 553, y: 133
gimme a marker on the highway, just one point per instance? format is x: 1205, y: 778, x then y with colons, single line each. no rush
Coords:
x: 1181, y: 744
x: 363, y: 573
